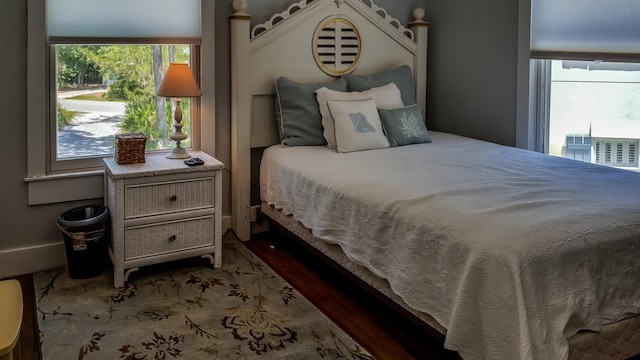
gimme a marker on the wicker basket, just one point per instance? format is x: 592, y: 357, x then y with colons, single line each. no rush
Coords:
x: 130, y: 148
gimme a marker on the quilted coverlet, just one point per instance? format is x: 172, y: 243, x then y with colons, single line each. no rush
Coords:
x: 511, y: 251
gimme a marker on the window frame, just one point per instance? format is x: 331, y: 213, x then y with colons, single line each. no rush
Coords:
x: 541, y: 90
x: 86, y: 180
x: 527, y: 112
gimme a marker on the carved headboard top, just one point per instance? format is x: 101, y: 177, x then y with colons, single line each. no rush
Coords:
x: 295, y: 7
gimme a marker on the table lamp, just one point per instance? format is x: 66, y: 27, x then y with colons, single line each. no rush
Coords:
x: 178, y: 82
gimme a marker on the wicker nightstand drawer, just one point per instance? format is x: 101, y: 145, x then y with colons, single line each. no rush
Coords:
x: 160, y: 198
x: 152, y: 240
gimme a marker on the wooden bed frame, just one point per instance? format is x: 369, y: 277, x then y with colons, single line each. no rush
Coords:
x: 283, y: 46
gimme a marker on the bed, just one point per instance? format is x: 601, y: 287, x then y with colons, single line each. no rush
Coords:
x: 508, y: 253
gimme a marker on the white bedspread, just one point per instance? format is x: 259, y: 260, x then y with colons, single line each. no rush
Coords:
x: 511, y: 251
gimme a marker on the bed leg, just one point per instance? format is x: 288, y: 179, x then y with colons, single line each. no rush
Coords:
x: 276, y: 233
x: 259, y: 217
x: 274, y: 238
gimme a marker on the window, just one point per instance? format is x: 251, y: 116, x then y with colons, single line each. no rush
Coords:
x: 589, y: 109
x: 114, y: 53
x: 594, y: 108
x: 104, y: 89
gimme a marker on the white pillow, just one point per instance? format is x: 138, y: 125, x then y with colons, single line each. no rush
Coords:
x: 357, y: 125
x: 386, y: 97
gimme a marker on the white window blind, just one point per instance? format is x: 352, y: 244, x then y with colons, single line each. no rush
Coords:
x: 156, y: 19
x: 586, y: 29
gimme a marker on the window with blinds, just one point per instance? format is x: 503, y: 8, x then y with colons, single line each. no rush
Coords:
x: 587, y: 71
x: 110, y: 57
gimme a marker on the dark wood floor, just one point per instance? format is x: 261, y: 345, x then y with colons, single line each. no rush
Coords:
x: 384, y: 333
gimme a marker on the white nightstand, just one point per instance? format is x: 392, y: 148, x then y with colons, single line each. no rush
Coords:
x: 163, y: 210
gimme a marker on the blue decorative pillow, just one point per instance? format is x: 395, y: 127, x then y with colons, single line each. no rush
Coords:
x: 401, y: 76
x: 298, y: 113
x: 404, y: 126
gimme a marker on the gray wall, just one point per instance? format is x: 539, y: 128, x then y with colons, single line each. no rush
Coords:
x: 471, y: 91
x: 473, y: 49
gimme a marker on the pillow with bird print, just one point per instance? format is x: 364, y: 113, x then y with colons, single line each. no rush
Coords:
x: 357, y: 125
x: 386, y: 97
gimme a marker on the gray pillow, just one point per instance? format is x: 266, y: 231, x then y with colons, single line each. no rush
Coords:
x: 404, y: 126
x: 298, y: 113
x: 401, y: 76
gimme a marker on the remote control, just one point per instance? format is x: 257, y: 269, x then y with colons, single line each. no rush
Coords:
x: 194, y: 161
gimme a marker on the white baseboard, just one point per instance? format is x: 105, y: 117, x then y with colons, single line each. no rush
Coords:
x: 44, y: 257
x: 255, y: 228
x: 32, y: 259
x: 226, y: 223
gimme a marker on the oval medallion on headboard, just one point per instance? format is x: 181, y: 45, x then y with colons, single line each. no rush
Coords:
x: 336, y: 46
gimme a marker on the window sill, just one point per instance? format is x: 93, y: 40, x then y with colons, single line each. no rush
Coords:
x: 49, y: 189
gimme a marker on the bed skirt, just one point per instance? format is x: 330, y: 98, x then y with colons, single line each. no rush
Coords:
x: 616, y: 341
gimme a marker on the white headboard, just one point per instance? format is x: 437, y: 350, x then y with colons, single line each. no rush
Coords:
x: 284, y: 46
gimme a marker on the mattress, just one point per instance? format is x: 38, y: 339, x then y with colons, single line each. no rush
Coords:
x: 473, y: 236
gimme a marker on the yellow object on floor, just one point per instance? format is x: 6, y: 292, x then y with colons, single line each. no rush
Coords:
x: 10, y: 317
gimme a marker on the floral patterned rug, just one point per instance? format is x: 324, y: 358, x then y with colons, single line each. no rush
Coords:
x: 185, y: 310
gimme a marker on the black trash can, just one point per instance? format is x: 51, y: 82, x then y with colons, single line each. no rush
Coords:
x: 85, y: 231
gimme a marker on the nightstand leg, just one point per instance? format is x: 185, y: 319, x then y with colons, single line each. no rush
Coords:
x: 118, y: 278
x: 118, y: 270
x: 210, y: 257
x: 128, y: 272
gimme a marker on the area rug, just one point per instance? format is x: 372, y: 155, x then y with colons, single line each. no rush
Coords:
x: 186, y: 310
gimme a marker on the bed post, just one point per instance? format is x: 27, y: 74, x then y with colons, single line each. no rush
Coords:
x: 240, y: 121
x: 420, y: 30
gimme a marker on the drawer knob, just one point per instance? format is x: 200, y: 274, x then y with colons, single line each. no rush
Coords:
x: 173, y: 198
x: 172, y: 238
